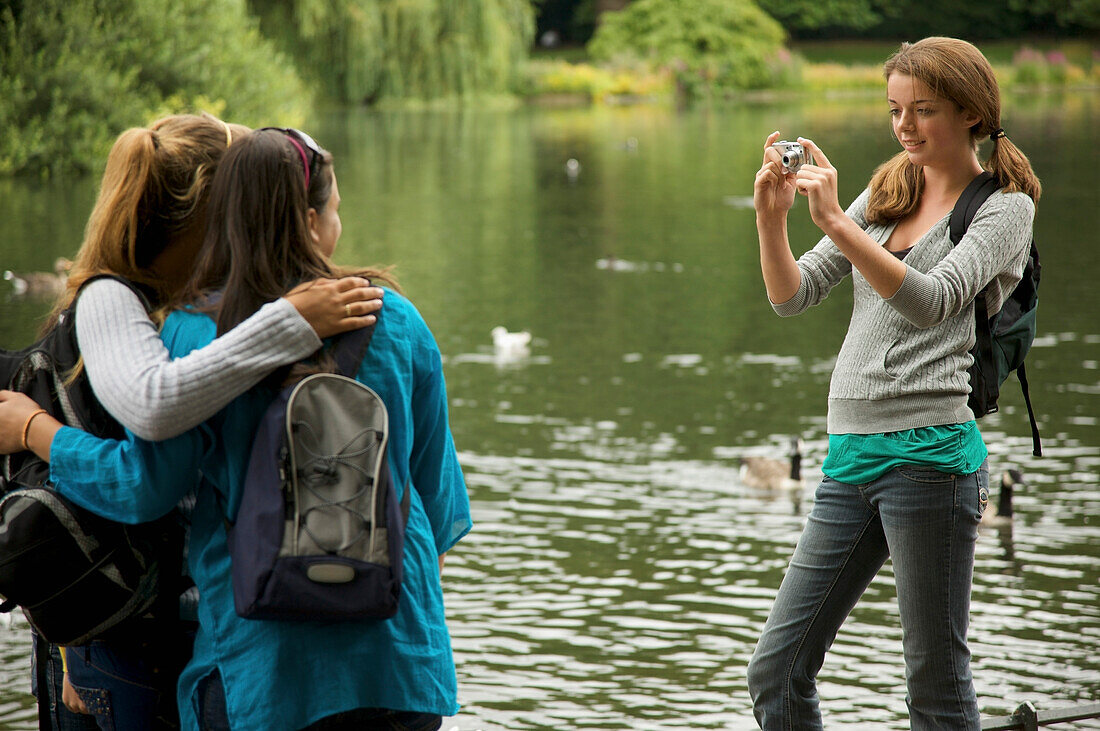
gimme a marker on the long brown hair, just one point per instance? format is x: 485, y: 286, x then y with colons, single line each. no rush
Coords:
x: 958, y: 72
x: 258, y: 244
x: 154, y: 190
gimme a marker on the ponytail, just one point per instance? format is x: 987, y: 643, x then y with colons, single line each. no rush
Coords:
x: 153, y: 194
x: 111, y: 234
x: 1013, y: 170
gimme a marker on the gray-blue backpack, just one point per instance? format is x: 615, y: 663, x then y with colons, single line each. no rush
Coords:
x: 320, y: 532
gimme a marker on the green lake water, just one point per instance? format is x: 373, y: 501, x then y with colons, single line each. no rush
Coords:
x: 619, y: 573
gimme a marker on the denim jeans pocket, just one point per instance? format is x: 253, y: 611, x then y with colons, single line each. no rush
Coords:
x: 119, y: 665
x: 918, y: 473
x: 98, y: 702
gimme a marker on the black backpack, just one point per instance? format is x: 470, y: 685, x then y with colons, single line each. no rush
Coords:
x: 75, y: 575
x: 1003, y: 340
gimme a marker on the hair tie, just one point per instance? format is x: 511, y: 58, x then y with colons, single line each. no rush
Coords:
x: 997, y: 134
x: 305, y: 160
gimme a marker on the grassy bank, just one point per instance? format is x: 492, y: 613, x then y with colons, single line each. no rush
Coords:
x: 825, y: 68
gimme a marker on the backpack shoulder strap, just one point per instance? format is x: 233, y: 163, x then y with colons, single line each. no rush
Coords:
x: 972, y: 198
x: 144, y: 293
x: 350, y: 348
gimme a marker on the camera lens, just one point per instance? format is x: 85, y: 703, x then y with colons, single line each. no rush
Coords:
x: 792, y: 159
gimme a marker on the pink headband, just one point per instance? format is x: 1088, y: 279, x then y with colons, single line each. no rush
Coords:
x: 305, y: 161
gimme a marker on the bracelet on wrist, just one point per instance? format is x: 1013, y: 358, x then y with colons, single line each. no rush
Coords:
x: 27, y: 426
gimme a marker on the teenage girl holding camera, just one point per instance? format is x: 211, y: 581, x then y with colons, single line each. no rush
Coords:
x: 905, y: 476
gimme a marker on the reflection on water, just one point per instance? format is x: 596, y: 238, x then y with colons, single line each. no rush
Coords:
x: 619, y: 572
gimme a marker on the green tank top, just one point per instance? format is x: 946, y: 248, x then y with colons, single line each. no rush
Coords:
x: 857, y: 459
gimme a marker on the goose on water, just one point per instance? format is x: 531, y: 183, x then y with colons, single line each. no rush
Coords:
x: 769, y: 473
x: 1001, y: 515
x: 44, y: 285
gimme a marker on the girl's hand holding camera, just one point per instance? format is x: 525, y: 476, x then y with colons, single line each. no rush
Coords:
x: 775, y: 186
x: 817, y: 181
x: 773, y: 190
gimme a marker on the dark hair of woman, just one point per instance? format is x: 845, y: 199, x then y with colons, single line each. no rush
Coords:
x: 258, y: 243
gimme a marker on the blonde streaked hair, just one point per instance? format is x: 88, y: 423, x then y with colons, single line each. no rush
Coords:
x: 154, y: 190
x: 957, y: 72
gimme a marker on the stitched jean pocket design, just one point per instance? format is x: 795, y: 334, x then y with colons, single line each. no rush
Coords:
x: 98, y: 702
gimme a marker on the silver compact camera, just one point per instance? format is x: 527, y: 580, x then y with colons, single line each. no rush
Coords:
x: 792, y: 154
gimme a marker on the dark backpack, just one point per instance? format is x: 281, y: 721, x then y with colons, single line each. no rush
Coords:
x: 75, y: 575
x: 320, y: 533
x: 1003, y: 340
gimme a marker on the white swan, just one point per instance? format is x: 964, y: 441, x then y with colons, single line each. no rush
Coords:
x: 510, y: 345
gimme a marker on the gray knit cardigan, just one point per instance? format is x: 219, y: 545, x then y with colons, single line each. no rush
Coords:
x: 904, y: 360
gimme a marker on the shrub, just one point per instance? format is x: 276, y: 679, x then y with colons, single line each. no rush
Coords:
x: 596, y: 83
x: 1030, y: 66
x: 709, y: 45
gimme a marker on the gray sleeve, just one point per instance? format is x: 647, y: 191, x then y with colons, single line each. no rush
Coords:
x: 822, y: 267
x: 156, y: 397
x: 993, y: 251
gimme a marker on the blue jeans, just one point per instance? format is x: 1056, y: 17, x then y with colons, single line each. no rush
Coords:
x: 61, y: 718
x: 926, y: 522
x: 130, y: 683
x: 213, y: 715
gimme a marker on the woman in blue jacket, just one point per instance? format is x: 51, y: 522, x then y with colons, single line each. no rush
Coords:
x: 273, y: 221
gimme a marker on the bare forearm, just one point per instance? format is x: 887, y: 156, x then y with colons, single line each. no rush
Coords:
x: 781, y: 274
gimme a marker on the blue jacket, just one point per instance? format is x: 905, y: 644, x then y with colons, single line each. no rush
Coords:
x: 281, y: 674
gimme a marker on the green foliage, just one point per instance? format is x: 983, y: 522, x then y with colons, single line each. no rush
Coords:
x: 913, y: 19
x: 709, y: 44
x: 75, y: 73
x: 815, y: 14
x: 1065, y: 13
x: 594, y: 83
x: 369, y: 50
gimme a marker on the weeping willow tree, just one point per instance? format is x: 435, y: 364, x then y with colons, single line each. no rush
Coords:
x: 368, y: 50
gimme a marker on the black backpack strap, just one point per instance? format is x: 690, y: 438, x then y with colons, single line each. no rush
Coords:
x: 972, y: 198
x: 350, y: 348
x: 146, y: 294
x: 1036, y: 445
x: 983, y: 343
x: 42, y: 662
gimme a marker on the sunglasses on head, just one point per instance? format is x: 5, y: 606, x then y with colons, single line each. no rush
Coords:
x: 302, y: 142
